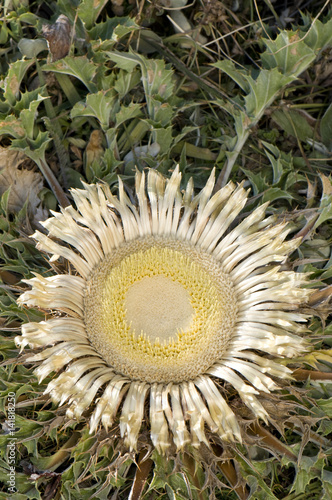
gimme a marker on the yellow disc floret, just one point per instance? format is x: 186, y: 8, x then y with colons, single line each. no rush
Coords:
x: 159, y: 311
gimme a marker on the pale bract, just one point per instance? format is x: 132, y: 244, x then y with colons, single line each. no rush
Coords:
x: 168, y: 305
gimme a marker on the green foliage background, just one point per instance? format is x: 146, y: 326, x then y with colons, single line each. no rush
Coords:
x: 253, y: 99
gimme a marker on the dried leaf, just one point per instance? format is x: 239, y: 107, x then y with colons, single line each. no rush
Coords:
x: 320, y: 296
x: 58, y: 37
x: 93, y: 152
x: 24, y: 184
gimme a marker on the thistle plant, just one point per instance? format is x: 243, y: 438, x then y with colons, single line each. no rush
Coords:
x: 159, y: 304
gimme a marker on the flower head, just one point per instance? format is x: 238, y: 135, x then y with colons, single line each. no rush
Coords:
x: 166, y: 307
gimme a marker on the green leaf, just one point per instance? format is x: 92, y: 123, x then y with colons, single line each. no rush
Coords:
x: 161, y: 112
x: 79, y: 67
x: 318, y: 35
x: 104, y: 168
x: 89, y: 11
x: 327, y: 484
x: 124, y: 60
x: 293, y: 123
x: 75, y: 178
x: 3, y: 34
x: 132, y: 135
x: 99, y: 105
x: 288, y: 53
x: 110, y: 29
x: 12, y: 126
x: 34, y: 149
x: 27, y: 98
x: 156, y: 78
x: 308, y: 469
x: 125, y: 82
x: 325, y: 207
x: 326, y: 128
x: 133, y: 110
x: 25, y: 428
x: 24, y: 489
x: 124, y: 29
x: 275, y: 193
x: 292, y: 178
x: 264, y: 90
x: 259, y: 490
x: 14, y: 79
x: 256, y: 180
x: 326, y: 406
x: 68, y: 88
x: 163, y: 136
x: 276, y: 166
x: 237, y: 74
x: 241, y: 123
x: 28, y: 116
x: 31, y: 48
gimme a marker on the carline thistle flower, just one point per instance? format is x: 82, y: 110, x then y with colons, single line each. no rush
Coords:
x: 166, y: 308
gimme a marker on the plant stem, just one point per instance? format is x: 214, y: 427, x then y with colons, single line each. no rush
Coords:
x: 300, y: 374
x: 272, y: 442
x: 141, y: 476
x: 228, y: 470
x: 53, y: 183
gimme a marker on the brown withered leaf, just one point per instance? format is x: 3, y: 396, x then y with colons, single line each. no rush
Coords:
x: 58, y: 36
x: 11, y: 157
x: 320, y: 297
x: 24, y: 184
x: 93, y: 152
x: 117, y: 7
x: 53, y: 487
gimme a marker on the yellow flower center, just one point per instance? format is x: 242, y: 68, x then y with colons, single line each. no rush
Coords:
x: 159, y: 310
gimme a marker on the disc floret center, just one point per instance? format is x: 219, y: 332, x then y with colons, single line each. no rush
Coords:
x: 159, y: 311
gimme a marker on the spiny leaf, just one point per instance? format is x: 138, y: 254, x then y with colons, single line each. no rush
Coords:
x: 326, y: 128
x: 100, y: 105
x: 12, y: 126
x: 28, y: 116
x: 27, y: 98
x: 109, y: 30
x: 318, y: 34
x: 277, y: 194
x: 89, y: 11
x: 24, y: 489
x: 80, y: 67
x: 288, y: 53
x: 307, y: 470
x: 326, y: 406
x: 293, y: 123
x: 133, y: 110
x: 124, y: 60
x: 34, y: 149
x: 236, y: 73
x: 264, y: 90
x: 125, y: 82
x: 13, y: 80
x: 157, y: 80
